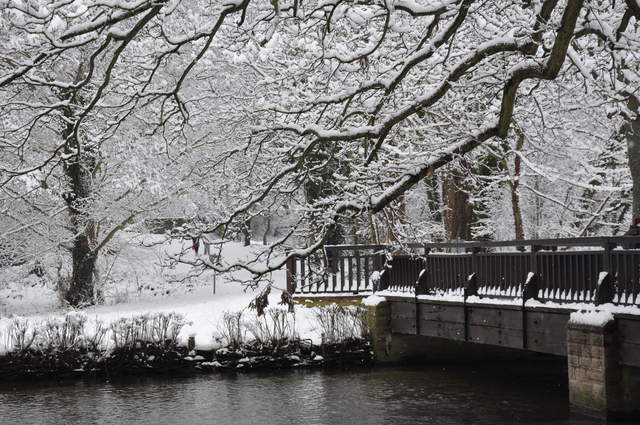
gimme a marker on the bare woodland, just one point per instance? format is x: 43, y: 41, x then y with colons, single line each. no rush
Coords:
x: 351, y: 121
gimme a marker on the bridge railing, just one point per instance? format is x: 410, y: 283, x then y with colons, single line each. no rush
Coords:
x: 561, y: 270
x: 338, y: 269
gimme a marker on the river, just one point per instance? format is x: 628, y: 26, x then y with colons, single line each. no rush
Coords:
x: 524, y: 393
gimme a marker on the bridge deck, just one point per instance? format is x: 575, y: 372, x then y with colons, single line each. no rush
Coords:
x: 530, y: 327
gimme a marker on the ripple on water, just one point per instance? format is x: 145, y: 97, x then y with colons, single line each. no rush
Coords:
x: 457, y: 395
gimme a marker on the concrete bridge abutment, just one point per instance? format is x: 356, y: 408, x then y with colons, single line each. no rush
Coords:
x: 391, y: 348
x: 600, y: 385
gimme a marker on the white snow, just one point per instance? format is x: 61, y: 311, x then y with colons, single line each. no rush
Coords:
x: 138, y: 266
x: 202, y: 310
x: 375, y: 276
x: 592, y: 317
x: 311, y: 297
x: 373, y: 300
x: 458, y: 297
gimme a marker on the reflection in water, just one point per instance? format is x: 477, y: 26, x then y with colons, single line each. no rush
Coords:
x: 523, y: 394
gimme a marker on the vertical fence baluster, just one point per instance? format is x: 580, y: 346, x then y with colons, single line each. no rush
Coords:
x: 501, y: 274
x: 342, y: 273
x: 366, y: 272
x: 583, y: 282
x: 451, y: 270
x: 350, y: 273
x: 358, y: 273
x: 544, y: 263
x: 302, y: 276
x: 336, y: 267
x: 586, y: 275
x: 635, y: 265
x: 572, y: 272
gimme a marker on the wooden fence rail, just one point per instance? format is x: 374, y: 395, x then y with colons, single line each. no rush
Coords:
x: 561, y: 270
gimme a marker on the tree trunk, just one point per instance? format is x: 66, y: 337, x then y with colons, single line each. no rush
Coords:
x: 78, y: 166
x: 81, y: 288
x: 433, y: 198
x: 246, y: 232
x: 83, y: 253
x: 633, y: 149
x: 517, y: 213
x: 267, y: 229
x: 373, y: 231
x: 322, y: 185
x: 515, y: 196
x: 458, y: 214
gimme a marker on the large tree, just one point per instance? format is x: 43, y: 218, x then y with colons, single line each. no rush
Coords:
x: 394, y: 89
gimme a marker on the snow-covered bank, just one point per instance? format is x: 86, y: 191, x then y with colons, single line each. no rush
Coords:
x: 140, y: 280
x: 148, y: 344
x: 202, y: 310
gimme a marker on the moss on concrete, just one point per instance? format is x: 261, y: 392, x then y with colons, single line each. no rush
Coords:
x: 313, y: 301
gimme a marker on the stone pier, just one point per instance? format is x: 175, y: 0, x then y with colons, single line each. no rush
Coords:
x: 600, y: 385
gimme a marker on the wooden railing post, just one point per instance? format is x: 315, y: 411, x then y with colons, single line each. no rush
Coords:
x: 533, y: 267
x: 470, y: 289
x: 529, y: 291
x: 385, y: 277
x: 534, y: 258
x: 332, y: 255
x: 605, y: 291
x: 606, y: 257
x: 422, y: 284
x: 531, y: 287
x: 475, y: 267
x: 378, y: 265
x: 471, y: 286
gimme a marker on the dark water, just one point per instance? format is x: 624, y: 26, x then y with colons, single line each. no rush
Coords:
x: 519, y: 393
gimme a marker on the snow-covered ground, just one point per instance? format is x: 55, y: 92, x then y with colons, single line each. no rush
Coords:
x: 137, y: 281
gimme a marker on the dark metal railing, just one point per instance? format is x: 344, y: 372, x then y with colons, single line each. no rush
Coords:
x: 561, y: 270
x: 336, y: 270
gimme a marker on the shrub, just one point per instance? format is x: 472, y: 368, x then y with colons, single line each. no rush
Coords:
x: 122, y: 333
x: 21, y: 336
x: 231, y: 332
x: 339, y: 324
x: 160, y: 328
x: 165, y: 327
x: 95, y: 341
x: 273, y: 329
x: 63, y: 333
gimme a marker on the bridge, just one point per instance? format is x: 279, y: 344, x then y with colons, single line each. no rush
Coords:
x: 578, y: 298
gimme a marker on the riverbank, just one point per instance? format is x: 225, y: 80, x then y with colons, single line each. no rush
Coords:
x: 140, y: 283
x: 151, y: 359
x: 158, y: 319
x: 74, y: 346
